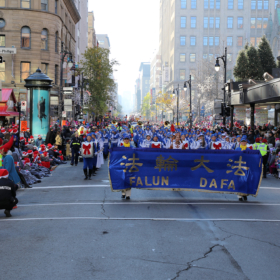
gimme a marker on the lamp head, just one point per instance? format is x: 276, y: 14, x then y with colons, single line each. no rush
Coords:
x: 185, y: 86
x: 217, y: 65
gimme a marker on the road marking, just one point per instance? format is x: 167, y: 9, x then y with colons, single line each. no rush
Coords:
x: 150, y: 203
x: 102, y: 186
x: 140, y: 219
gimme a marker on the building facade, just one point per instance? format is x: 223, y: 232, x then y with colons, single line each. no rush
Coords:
x: 32, y: 33
x: 144, y: 77
x: 92, y: 42
x: 193, y: 31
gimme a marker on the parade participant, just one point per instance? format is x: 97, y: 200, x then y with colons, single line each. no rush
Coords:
x: 178, y: 144
x: 200, y: 143
x: 88, y: 156
x: 226, y: 145
x: 185, y: 142
x: 264, y: 150
x: 8, y: 189
x: 214, y: 144
x: 238, y: 141
x: 75, y: 146
x: 243, y: 144
x: 147, y: 142
x: 156, y: 144
x: 114, y: 138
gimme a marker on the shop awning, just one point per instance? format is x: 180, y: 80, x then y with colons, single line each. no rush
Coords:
x: 4, y: 112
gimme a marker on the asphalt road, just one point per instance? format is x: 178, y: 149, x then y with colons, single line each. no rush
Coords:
x: 68, y: 228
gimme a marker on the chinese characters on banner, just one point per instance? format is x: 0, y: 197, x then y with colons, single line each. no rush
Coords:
x: 210, y: 171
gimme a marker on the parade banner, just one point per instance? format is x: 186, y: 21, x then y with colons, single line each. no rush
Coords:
x: 213, y: 171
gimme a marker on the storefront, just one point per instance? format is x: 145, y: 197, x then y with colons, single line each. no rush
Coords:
x: 8, y: 111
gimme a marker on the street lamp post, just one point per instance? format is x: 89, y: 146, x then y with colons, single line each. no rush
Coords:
x: 217, y: 68
x: 63, y: 54
x: 185, y: 89
x: 174, y: 92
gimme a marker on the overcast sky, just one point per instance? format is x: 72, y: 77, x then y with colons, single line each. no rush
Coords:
x: 133, y: 28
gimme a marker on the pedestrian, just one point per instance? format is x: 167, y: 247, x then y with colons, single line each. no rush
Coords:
x: 75, y: 146
x: 8, y: 189
x: 58, y: 140
x: 50, y: 138
x: 39, y: 141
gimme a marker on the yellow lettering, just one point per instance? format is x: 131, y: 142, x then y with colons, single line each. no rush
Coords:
x: 231, y: 185
x: 223, y: 183
x: 213, y: 184
x: 203, y: 182
x: 146, y: 182
x: 165, y: 181
x: 139, y: 182
x: 158, y: 181
x: 132, y: 180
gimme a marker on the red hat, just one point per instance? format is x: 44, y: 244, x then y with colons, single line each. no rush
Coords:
x: 60, y: 152
x: 35, y: 153
x: 1, y: 141
x: 15, y: 131
x: 39, y: 136
x: 26, y: 143
x: 21, y: 139
x: 27, y: 128
x: 264, y: 141
x: 8, y: 145
x: 24, y: 154
x: 30, y: 152
x: 26, y: 161
x: 10, y: 130
x: 31, y: 137
x: 4, y: 173
x: 3, y: 130
x: 45, y: 154
x: 257, y: 140
x: 49, y: 146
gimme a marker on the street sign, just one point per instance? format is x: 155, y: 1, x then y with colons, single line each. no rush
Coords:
x: 23, y: 105
x: 23, y: 126
x: 68, y: 108
x: 68, y: 102
x: 64, y: 114
x: 68, y: 90
x: 8, y: 50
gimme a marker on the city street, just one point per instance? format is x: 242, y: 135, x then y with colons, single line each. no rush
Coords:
x: 68, y: 228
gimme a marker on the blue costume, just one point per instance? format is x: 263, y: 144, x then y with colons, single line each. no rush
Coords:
x: 9, y: 164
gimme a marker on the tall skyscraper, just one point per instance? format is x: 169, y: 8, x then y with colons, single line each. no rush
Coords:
x: 144, y: 79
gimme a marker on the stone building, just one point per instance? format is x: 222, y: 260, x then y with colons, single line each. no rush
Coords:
x: 91, y: 31
x: 34, y: 30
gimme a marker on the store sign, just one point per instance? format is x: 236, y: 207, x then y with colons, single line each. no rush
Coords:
x: 166, y: 74
x: 8, y: 50
x: 23, y: 105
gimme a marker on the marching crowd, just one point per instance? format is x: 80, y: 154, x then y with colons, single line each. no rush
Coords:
x: 25, y: 160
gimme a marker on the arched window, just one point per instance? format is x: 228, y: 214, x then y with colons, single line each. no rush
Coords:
x: 44, y: 39
x: 25, y: 37
x: 56, y: 42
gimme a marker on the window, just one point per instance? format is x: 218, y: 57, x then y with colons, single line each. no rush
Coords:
x: 192, y: 57
x: 265, y: 4
x: 44, y: 68
x: 2, y: 41
x: 211, y: 22
x: 205, y: 4
x: 229, y: 41
x: 218, y: 4
x: 183, y: 4
x: 2, y: 3
x: 217, y: 41
x: 56, y: 74
x: 205, y: 41
x: 253, y: 41
x: 239, y: 41
x: 182, y: 74
x: 258, y: 40
x: 25, y: 37
x: 240, y: 22
x: 193, y: 4
x: 193, y: 22
x: 193, y: 40
x: 253, y: 23
x: 205, y: 22
x: 240, y: 4
x: 25, y: 4
x: 253, y: 4
x: 56, y: 42
x: 260, y: 4
x: 211, y: 41
x: 229, y: 57
x: 56, y: 6
x: 182, y: 40
x: 230, y: 22
x: 265, y: 23
x: 44, y: 5
x: 2, y: 71
x: 44, y: 39
x: 277, y: 3
x: 211, y: 57
x: 2, y: 23
x: 259, y: 23
x: 212, y: 4
x: 183, y: 22
x: 182, y: 57
x: 205, y: 56
x: 24, y: 71
x: 217, y: 22
x: 230, y: 4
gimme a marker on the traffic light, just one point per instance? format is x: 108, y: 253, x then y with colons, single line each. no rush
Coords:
x: 1, y: 59
x: 222, y: 110
x: 227, y: 111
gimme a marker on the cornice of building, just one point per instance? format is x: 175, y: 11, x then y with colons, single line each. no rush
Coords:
x: 72, y: 10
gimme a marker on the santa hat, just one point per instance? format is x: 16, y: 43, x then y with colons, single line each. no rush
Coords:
x: 49, y: 146
x: 45, y: 154
x: 24, y: 154
x: 8, y: 145
x: 27, y: 128
x: 264, y: 141
x: 26, y: 143
x: 32, y: 137
x: 39, y: 136
x: 4, y: 173
x: 30, y: 152
x: 43, y: 147
x: 21, y: 139
x: 60, y: 152
x: 15, y: 131
x: 10, y: 130
x: 26, y: 161
x: 35, y: 153
x: 3, y: 130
